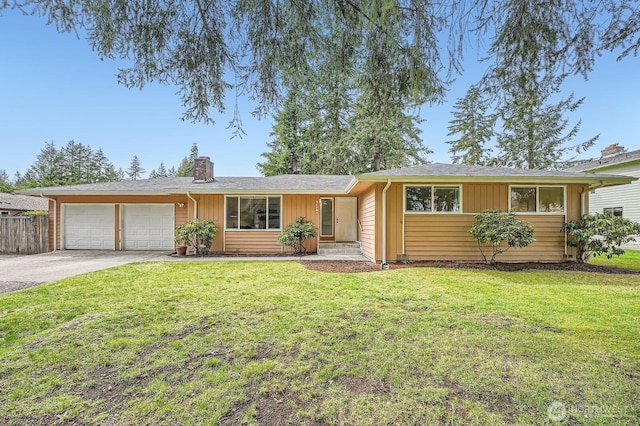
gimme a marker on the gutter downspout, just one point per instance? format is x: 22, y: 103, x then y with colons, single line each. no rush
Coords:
x: 195, y: 205
x: 385, y: 265
x: 55, y: 222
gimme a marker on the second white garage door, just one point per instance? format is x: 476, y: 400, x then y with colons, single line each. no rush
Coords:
x: 148, y: 227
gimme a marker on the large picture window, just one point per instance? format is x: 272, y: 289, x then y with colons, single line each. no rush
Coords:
x: 253, y: 212
x: 432, y: 199
x: 537, y: 199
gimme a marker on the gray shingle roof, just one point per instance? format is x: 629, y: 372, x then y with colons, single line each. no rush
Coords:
x: 172, y: 185
x: 322, y: 184
x: 462, y: 170
x: 625, y: 157
x: 22, y: 202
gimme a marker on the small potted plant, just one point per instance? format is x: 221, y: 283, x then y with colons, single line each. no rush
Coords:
x: 181, y: 243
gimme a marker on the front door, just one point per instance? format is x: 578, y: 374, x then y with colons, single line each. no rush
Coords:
x: 346, y: 218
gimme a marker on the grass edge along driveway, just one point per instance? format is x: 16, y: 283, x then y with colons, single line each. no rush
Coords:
x: 273, y: 343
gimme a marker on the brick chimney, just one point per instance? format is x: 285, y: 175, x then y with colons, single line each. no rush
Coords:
x: 611, y: 150
x: 202, y: 170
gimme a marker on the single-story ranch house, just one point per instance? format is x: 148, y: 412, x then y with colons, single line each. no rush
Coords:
x: 417, y: 213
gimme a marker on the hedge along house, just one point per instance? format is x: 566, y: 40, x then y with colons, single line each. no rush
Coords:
x: 419, y: 213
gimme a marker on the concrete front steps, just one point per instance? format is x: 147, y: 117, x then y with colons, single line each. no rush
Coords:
x: 332, y: 249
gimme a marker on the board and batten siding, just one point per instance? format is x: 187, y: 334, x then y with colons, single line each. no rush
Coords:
x: 301, y: 205
x: 367, y: 230
x: 258, y: 242
x: 625, y: 196
x: 211, y: 207
x: 181, y: 213
x: 446, y: 237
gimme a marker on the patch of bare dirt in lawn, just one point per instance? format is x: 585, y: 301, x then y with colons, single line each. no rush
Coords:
x: 355, y: 267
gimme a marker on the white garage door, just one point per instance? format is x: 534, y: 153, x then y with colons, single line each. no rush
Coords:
x: 148, y: 227
x: 89, y: 226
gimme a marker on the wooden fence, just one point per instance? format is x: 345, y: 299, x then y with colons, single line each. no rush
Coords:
x: 24, y: 234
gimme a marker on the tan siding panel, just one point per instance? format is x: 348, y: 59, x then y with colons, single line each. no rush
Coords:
x: 395, y: 195
x: 477, y: 197
x: 294, y: 206
x: 259, y: 242
x: 446, y: 237
x: 210, y: 207
x: 367, y: 223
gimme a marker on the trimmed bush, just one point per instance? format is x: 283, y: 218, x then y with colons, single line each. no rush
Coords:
x: 599, y: 234
x: 297, y: 233
x: 494, y: 227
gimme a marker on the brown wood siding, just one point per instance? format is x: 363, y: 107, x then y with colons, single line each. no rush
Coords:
x: 307, y: 206
x: 181, y: 213
x: 211, y: 207
x: 367, y: 223
x: 395, y: 209
x: 446, y: 237
x: 477, y: 197
x: 259, y: 242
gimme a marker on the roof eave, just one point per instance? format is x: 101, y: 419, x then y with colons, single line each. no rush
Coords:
x: 603, y: 167
x: 92, y: 193
x: 607, y: 180
x: 259, y: 191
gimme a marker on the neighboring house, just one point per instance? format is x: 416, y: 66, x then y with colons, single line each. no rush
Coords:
x: 621, y: 201
x: 14, y: 204
x: 419, y: 213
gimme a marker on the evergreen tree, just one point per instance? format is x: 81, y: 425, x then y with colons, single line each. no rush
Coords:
x: 263, y: 43
x: 47, y: 170
x: 535, y: 134
x: 159, y: 173
x: 135, y: 170
x: 291, y: 148
x: 474, y: 124
x: 5, y: 182
x: 185, y: 169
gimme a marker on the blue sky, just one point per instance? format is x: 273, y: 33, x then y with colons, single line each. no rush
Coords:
x: 53, y: 87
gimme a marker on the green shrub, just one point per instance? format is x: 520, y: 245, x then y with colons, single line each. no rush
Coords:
x: 295, y: 234
x: 494, y: 227
x: 198, y: 234
x: 598, y: 234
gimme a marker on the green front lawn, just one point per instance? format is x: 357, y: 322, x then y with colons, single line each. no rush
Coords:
x: 273, y: 343
x: 629, y: 260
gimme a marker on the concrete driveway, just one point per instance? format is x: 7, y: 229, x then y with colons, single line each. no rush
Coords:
x: 18, y: 272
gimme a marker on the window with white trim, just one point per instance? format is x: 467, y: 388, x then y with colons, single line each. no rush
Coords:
x: 537, y: 199
x: 431, y: 198
x: 613, y: 211
x: 253, y: 212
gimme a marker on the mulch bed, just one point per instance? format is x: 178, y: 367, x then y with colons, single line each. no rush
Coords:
x: 349, y: 266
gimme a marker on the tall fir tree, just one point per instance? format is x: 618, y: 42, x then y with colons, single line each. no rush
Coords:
x: 135, y: 170
x: 474, y: 124
x: 185, y: 169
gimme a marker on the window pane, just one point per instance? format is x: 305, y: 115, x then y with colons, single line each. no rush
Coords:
x: 418, y: 198
x: 253, y: 213
x: 446, y: 199
x: 326, y: 226
x: 613, y: 211
x: 551, y: 200
x: 232, y: 212
x: 523, y: 199
x: 274, y: 212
